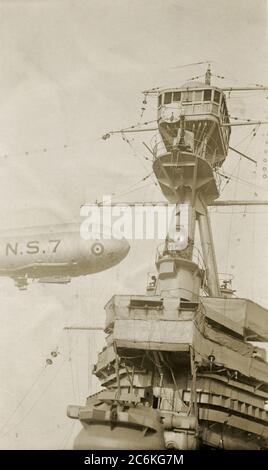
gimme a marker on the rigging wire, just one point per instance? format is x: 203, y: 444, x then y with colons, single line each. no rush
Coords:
x: 36, y: 380
x: 235, y: 118
x: 231, y: 222
x: 195, y: 78
x: 39, y: 397
x: 37, y: 400
x: 128, y: 189
x: 136, y: 155
x: 240, y: 180
x: 27, y: 393
x: 230, y: 176
x: 66, y: 146
x: 252, y: 131
x: 67, y: 436
x: 139, y: 124
x: 135, y: 189
x: 77, y: 376
x: 217, y: 210
x: 23, y: 399
x: 192, y: 64
x: 71, y: 364
x: 91, y: 343
x: 143, y: 179
x: 252, y: 251
x: 49, y: 148
x: 125, y: 139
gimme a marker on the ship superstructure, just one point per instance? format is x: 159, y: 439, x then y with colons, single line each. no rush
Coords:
x: 178, y: 369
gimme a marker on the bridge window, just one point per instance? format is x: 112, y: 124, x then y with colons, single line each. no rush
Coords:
x: 159, y: 100
x: 168, y: 98
x: 187, y: 96
x: 176, y: 96
x: 198, y: 95
x: 207, y: 95
x: 217, y: 96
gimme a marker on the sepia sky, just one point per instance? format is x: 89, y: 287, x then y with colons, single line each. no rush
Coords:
x: 70, y: 72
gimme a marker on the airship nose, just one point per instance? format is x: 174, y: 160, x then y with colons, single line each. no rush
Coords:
x: 125, y: 247
x: 119, y: 249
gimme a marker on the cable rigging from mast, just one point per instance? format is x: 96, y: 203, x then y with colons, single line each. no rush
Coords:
x: 200, y: 383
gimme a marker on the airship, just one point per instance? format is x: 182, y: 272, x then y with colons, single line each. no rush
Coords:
x: 56, y: 254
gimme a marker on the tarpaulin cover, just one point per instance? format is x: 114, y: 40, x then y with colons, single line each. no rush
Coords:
x: 247, y: 314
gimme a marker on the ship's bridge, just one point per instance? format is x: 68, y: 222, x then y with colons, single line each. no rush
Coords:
x: 206, y: 116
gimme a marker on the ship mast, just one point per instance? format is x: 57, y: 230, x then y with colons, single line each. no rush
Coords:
x: 208, y: 76
x: 177, y: 370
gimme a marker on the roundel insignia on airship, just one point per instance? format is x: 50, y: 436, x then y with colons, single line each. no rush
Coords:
x: 97, y: 249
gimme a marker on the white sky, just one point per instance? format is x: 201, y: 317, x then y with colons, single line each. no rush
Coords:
x: 71, y: 71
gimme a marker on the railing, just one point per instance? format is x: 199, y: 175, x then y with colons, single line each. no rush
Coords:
x: 197, y: 147
x: 191, y: 253
x: 201, y: 150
